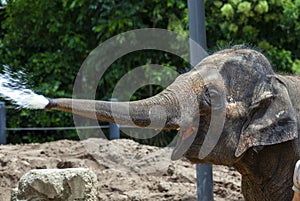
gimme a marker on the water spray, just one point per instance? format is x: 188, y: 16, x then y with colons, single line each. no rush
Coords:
x: 14, y: 89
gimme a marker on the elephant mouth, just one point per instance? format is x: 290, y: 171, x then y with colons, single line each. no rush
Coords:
x: 184, y: 142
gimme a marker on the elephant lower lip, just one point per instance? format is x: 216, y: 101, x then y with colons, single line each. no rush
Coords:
x: 187, y: 133
x: 184, y: 143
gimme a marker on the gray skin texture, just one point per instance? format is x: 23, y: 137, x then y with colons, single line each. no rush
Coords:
x: 261, y: 109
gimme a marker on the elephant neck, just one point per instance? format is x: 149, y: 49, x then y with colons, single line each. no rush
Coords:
x: 269, y: 190
x: 268, y: 175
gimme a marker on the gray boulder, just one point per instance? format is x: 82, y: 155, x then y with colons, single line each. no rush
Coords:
x: 78, y: 184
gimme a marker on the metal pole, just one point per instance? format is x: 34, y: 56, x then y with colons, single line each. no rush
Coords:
x: 114, y: 130
x: 197, y: 33
x: 2, y: 123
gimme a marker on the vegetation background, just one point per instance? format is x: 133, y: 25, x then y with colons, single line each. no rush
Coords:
x: 49, y: 40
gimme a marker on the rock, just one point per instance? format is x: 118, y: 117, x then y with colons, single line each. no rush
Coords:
x: 58, y: 185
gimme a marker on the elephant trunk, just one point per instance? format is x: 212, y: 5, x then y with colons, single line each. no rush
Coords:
x: 160, y: 111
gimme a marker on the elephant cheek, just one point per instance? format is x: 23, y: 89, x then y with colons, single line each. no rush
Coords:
x: 236, y: 110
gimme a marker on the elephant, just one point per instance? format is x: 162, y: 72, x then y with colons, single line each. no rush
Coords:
x: 259, y: 136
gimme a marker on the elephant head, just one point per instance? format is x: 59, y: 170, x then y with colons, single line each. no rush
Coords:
x: 235, y: 89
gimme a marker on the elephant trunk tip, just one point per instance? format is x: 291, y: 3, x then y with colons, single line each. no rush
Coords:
x: 52, y: 103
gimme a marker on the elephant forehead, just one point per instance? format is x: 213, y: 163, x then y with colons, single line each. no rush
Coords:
x: 246, y: 58
x: 240, y: 82
x: 241, y: 69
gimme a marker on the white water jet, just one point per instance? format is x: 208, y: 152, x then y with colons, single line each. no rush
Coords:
x: 12, y: 88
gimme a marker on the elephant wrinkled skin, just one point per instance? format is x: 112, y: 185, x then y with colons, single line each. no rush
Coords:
x: 260, y: 112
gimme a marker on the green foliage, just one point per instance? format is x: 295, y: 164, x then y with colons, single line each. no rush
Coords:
x: 49, y: 39
x: 272, y: 26
x: 40, y: 35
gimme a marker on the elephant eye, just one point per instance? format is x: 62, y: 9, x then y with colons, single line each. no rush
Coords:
x: 213, y: 98
x: 214, y: 94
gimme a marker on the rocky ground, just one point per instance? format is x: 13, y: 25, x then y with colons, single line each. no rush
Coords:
x: 125, y: 169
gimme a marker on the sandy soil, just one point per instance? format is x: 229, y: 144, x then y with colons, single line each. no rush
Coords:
x: 126, y: 170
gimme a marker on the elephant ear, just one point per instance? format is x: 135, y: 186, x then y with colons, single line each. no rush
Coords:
x: 272, y: 118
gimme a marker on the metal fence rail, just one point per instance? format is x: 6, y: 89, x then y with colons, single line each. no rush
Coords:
x: 68, y: 128
x: 56, y: 128
x: 114, y: 129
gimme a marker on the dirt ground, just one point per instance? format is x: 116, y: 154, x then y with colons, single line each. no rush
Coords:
x: 125, y: 169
